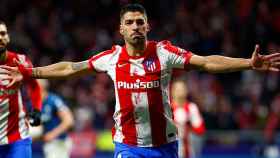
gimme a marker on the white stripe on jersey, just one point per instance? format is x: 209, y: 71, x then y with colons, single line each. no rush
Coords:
x: 4, y: 107
x: 165, y: 83
x: 171, y: 60
x: 3, y: 135
x: 118, y: 137
x: 195, y: 117
x: 23, y: 129
x: 142, y: 118
x: 136, y: 67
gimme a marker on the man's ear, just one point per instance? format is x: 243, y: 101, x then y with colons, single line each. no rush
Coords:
x: 121, y: 30
x: 8, y: 39
x: 148, y: 27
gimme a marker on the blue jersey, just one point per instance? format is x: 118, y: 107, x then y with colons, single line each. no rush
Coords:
x: 50, y: 119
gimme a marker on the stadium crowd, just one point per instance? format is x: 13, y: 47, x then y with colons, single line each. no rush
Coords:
x: 50, y: 31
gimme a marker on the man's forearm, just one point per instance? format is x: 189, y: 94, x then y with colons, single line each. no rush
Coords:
x: 67, y: 122
x: 221, y: 64
x: 58, y: 70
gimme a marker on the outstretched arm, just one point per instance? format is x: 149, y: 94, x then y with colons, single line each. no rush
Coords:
x: 222, y: 64
x: 219, y: 64
x: 59, y: 70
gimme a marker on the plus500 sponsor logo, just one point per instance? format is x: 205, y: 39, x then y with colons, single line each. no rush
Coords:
x: 138, y: 84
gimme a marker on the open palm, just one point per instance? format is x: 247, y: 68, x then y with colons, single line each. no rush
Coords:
x: 11, y: 73
x: 269, y: 62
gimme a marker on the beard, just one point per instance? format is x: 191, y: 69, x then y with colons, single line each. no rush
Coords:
x: 2, y: 50
x: 138, y: 40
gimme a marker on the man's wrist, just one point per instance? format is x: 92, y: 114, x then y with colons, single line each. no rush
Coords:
x: 250, y: 64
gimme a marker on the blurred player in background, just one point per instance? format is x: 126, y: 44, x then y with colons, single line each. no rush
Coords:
x: 56, y: 121
x: 187, y: 118
x: 271, y: 130
x: 141, y: 71
x: 15, y: 141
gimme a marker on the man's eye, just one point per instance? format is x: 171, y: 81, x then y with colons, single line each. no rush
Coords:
x: 3, y: 33
x: 140, y: 22
x: 128, y: 22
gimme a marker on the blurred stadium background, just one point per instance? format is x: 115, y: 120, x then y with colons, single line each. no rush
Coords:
x: 241, y: 110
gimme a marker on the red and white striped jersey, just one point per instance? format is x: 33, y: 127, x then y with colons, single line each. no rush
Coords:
x: 13, y: 125
x: 143, y: 115
x: 188, y: 119
x: 189, y: 113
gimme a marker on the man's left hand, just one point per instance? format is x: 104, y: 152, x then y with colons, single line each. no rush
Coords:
x: 35, y: 117
x: 269, y: 62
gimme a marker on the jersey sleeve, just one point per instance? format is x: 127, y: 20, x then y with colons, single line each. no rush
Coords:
x: 176, y: 57
x: 196, y: 120
x: 100, y: 62
x: 33, y: 87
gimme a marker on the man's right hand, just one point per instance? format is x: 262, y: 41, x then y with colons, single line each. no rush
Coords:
x: 10, y: 73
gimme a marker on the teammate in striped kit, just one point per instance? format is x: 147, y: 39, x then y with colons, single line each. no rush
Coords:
x: 187, y: 118
x: 14, y: 136
x: 141, y: 72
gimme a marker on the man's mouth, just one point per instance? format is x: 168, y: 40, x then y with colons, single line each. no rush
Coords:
x: 2, y: 49
x: 137, y: 35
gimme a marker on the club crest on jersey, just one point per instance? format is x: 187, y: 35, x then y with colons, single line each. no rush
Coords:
x: 22, y: 60
x: 150, y: 64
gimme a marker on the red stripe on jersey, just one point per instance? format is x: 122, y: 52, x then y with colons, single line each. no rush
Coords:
x: 126, y: 105
x: 113, y: 132
x: 13, y: 119
x: 97, y: 56
x: 34, y: 92
x: 156, y: 108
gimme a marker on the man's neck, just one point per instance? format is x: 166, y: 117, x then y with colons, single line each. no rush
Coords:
x: 3, y: 56
x: 179, y: 101
x: 136, y: 50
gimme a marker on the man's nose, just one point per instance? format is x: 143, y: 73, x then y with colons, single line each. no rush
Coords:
x: 135, y: 26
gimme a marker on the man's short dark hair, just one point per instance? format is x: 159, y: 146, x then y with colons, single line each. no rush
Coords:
x: 132, y: 8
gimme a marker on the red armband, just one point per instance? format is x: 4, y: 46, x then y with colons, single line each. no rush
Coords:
x: 26, y: 72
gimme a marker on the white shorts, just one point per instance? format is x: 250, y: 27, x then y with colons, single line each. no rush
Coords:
x: 58, y: 148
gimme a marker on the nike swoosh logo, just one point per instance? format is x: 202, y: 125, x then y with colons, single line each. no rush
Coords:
x: 121, y: 65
